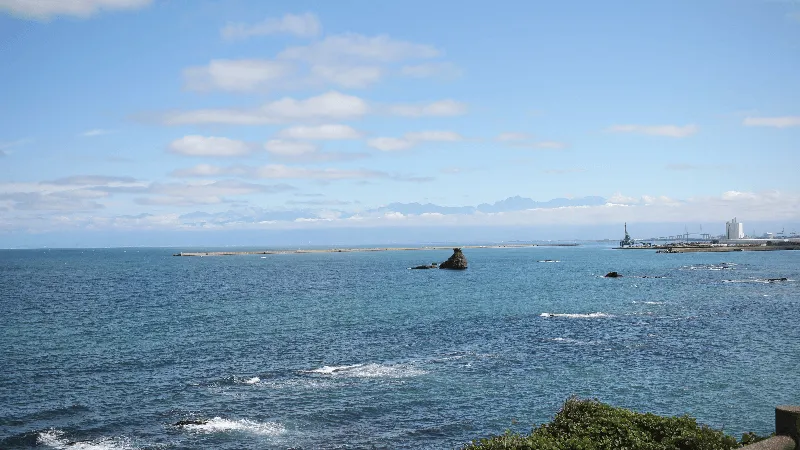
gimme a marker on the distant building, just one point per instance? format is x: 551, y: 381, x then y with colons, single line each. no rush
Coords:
x: 734, y: 229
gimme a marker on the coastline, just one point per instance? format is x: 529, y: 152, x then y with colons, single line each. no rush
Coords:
x: 356, y: 249
x: 738, y: 248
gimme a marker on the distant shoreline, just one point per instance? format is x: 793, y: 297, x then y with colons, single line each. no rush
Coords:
x: 356, y: 249
x: 735, y: 248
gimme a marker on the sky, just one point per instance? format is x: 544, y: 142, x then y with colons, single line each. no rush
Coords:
x: 133, y: 122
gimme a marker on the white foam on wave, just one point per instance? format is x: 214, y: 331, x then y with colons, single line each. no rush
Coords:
x: 220, y: 425
x: 54, y: 438
x: 253, y: 380
x: 759, y: 280
x: 571, y: 341
x: 369, y: 371
x: 594, y: 315
x: 649, y: 303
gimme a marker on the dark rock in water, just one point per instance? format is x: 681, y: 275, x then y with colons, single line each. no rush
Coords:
x: 432, y: 266
x: 612, y: 275
x: 182, y: 423
x: 457, y: 261
x: 772, y: 280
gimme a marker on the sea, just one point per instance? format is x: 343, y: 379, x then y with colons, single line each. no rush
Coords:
x: 133, y: 348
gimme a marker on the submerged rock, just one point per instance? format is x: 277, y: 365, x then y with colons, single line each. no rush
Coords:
x: 456, y: 261
x: 182, y: 423
x: 612, y: 275
x: 432, y: 266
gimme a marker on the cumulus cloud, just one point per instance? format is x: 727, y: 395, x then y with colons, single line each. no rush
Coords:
x: 775, y: 122
x: 46, y: 9
x: 204, y: 193
x: 656, y: 130
x: 38, y: 201
x: 356, y: 47
x: 279, y: 171
x: 347, y: 60
x: 302, y: 25
x: 240, y: 75
x: 329, y: 106
x: 441, y: 108
x: 320, y: 132
x: 96, y: 132
x: 195, y: 145
x: 389, y: 144
x: 91, y: 180
x: 445, y: 70
x: 305, y: 152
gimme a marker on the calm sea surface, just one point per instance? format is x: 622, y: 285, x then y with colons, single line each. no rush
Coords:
x: 108, y: 348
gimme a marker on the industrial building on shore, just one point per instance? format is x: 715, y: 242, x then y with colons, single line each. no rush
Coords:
x: 734, y: 230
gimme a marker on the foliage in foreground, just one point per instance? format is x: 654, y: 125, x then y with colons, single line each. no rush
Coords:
x: 592, y: 425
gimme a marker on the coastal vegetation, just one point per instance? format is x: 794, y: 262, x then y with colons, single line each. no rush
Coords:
x: 591, y: 425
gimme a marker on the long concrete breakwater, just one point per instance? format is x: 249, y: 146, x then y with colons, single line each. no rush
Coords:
x: 359, y: 249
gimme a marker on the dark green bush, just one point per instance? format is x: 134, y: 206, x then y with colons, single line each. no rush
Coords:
x: 592, y: 425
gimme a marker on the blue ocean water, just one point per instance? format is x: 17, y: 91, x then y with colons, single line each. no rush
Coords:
x: 108, y: 348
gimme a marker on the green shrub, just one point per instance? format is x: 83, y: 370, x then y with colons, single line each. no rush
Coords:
x: 592, y: 425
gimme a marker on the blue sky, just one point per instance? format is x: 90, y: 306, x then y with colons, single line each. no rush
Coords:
x: 163, y: 116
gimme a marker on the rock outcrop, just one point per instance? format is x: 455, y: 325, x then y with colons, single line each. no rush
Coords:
x: 457, y: 261
x: 612, y: 275
x: 432, y: 266
x: 183, y: 423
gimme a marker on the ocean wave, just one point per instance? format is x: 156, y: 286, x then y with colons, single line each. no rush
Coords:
x: 720, y: 266
x: 369, y: 371
x: 758, y: 280
x: 252, y: 380
x: 220, y: 425
x: 649, y: 303
x: 549, y: 261
x: 54, y: 438
x: 562, y: 340
x: 594, y: 315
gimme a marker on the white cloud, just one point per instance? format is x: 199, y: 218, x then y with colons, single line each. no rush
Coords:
x: 46, y: 9
x: 435, y: 135
x: 389, y: 144
x: 289, y: 148
x: 445, y: 70
x: 302, y: 25
x: 11, y: 145
x: 92, y: 180
x: 329, y: 106
x: 240, y: 75
x: 350, y: 47
x: 656, y: 130
x: 321, y: 132
x: 777, y: 122
x: 194, y: 145
x: 344, y: 75
x: 279, y: 171
x: 96, y: 132
x: 439, y: 108
x: 736, y: 195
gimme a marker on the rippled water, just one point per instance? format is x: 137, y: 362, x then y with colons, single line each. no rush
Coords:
x: 108, y: 348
